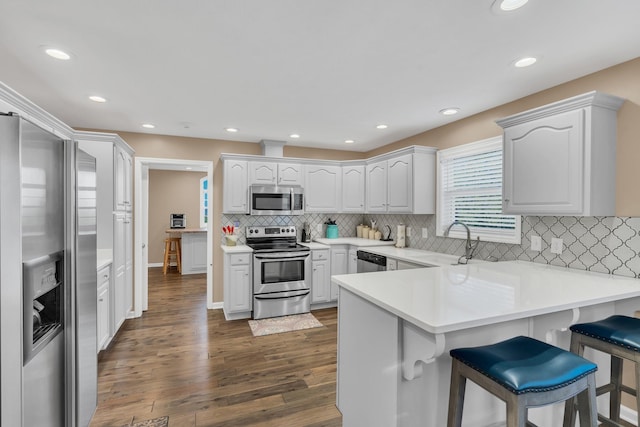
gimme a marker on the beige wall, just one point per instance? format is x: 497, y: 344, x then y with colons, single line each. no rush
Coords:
x: 171, y: 192
x: 622, y: 80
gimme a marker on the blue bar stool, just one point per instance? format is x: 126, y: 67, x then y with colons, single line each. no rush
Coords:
x: 523, y: 372
x: 618, y: 336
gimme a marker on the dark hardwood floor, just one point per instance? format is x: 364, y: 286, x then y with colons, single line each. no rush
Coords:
x: 182, y: 360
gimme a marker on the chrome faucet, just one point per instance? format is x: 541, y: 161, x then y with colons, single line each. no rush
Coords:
x: 469, y: 248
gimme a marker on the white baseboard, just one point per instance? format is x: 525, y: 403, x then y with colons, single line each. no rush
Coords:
x: 155, y: 264
x: 215, y: 305
x: 629, y: 415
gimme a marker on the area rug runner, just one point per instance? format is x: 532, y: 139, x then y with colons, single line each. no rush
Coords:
x: 278, y: 325
x: 156, y: 422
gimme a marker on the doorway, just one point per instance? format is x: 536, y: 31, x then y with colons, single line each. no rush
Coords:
x: 141, y: 216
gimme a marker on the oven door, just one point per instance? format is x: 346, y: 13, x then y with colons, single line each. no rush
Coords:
x: 280, y: 271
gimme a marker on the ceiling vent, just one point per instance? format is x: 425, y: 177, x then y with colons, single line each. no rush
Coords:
x: 272, y: 148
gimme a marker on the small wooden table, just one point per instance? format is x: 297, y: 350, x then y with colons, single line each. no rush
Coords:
x: 194, y: 249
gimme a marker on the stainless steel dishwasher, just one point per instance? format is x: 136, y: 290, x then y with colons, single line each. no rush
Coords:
x: 368, y: 262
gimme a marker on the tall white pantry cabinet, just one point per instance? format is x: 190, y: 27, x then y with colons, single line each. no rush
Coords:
x: 114, y: 167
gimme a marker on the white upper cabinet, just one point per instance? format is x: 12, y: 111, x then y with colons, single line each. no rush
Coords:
x: 402, y: 182
x: 559, y: 159
x: 235, y: 192
x: 272, y: 173
x: 123, y: 178
x: 353, y: 180
x: 322, y: 188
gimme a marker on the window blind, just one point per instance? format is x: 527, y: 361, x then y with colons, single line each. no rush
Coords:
x: 470, y: 191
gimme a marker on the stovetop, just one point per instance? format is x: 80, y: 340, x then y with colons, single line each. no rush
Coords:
x: 274, y: 239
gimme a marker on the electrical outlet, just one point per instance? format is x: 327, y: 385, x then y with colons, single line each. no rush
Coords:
x: 556, y: 246
x: 409, y: 231
x: 536, y: 243
x: 319, y: 229
x: 425, y: 233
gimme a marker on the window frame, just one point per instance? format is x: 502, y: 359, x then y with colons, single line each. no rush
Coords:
x: 469, y: 149
x: 205, y: 203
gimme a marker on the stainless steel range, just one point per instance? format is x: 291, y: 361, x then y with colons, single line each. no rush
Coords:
x: 281, y: 272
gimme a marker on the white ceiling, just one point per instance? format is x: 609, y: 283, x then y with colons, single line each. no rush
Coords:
x: 329, y: 70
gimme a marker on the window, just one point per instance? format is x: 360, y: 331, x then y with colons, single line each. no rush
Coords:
x: 204, y: 202
x: 470, y: 191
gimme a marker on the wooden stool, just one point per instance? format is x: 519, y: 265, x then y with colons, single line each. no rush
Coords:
x: 618, y: 336
x: 172, y: 247
x: 524, y: 373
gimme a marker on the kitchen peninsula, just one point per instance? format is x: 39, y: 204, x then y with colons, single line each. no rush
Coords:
x: 194, y: 248
x: 396, y: 328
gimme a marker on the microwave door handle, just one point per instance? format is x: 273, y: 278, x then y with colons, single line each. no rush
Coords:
x: 291, y: 201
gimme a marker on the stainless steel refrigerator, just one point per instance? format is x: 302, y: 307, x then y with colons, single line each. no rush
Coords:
x: 48, y: 265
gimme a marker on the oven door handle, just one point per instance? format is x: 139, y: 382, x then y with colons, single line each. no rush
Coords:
x: 286, y: 256
x: 283, y: 295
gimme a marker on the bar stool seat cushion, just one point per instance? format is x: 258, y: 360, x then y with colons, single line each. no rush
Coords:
x: 525, y: 365
x: 622, y: 331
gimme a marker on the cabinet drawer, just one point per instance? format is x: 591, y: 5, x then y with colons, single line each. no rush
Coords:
x: 320, y: 255
x: 240, y: 259
x: 104, y: 275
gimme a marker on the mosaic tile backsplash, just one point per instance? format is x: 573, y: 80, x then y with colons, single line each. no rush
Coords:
x: 602, y: 244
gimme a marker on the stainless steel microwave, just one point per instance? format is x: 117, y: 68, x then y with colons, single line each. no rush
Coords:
x: 276, y: 200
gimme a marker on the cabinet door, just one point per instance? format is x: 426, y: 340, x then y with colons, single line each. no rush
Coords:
x: 290, y: 174
x: 400, y: 184
x: 339, y: 265
x: 120, y: 173
x: 128, y: 264
x: 240, y: 288
x: 128, y: 181
x: 322, y: 188
x: 353, y: 261
x: 353, y: 188
x: 320, y: 281
x: 263, y: 173
x: 103, y: 317
x: 543, y: 165
x: 376, y: 174
x: 118, y: 310
x: 235, y: 189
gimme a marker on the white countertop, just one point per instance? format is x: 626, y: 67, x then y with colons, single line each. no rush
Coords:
x: 236, y: 249
x: 353, y: 241
x: 451, y: 298
x: 314, y: 245
x: 416, y: 256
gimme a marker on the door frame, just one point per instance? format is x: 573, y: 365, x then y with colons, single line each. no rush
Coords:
x: 141, y: 217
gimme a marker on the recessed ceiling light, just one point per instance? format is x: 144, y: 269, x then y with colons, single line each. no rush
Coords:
x: 96, y: 98
x: 188, y: 168
x: 349, y: 141
x: 58, y: 54
x: 294, y: 135
x: 449, y: 111
x: 525, y: 62
x: 509, y: 5
x: 148, y: 126
x: 382, y: 127
x: 231, y: 130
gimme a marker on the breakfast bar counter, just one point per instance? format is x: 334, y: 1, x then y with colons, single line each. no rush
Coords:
x: 396, y: 329
x: 194, y: 249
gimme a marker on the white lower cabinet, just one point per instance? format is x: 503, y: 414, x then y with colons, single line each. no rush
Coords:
x: 353, y: 261
x: 237, y: 286
x: 194, y: 253
x: 320, y: 276
x: 103, y: 310
x: 339, y: 265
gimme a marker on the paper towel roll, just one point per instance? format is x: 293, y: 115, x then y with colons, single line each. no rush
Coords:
x: 400, y: 236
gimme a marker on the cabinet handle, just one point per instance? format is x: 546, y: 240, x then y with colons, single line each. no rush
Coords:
x: 100, y: 300
x: 506, y: 200
x: 106, y: 276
